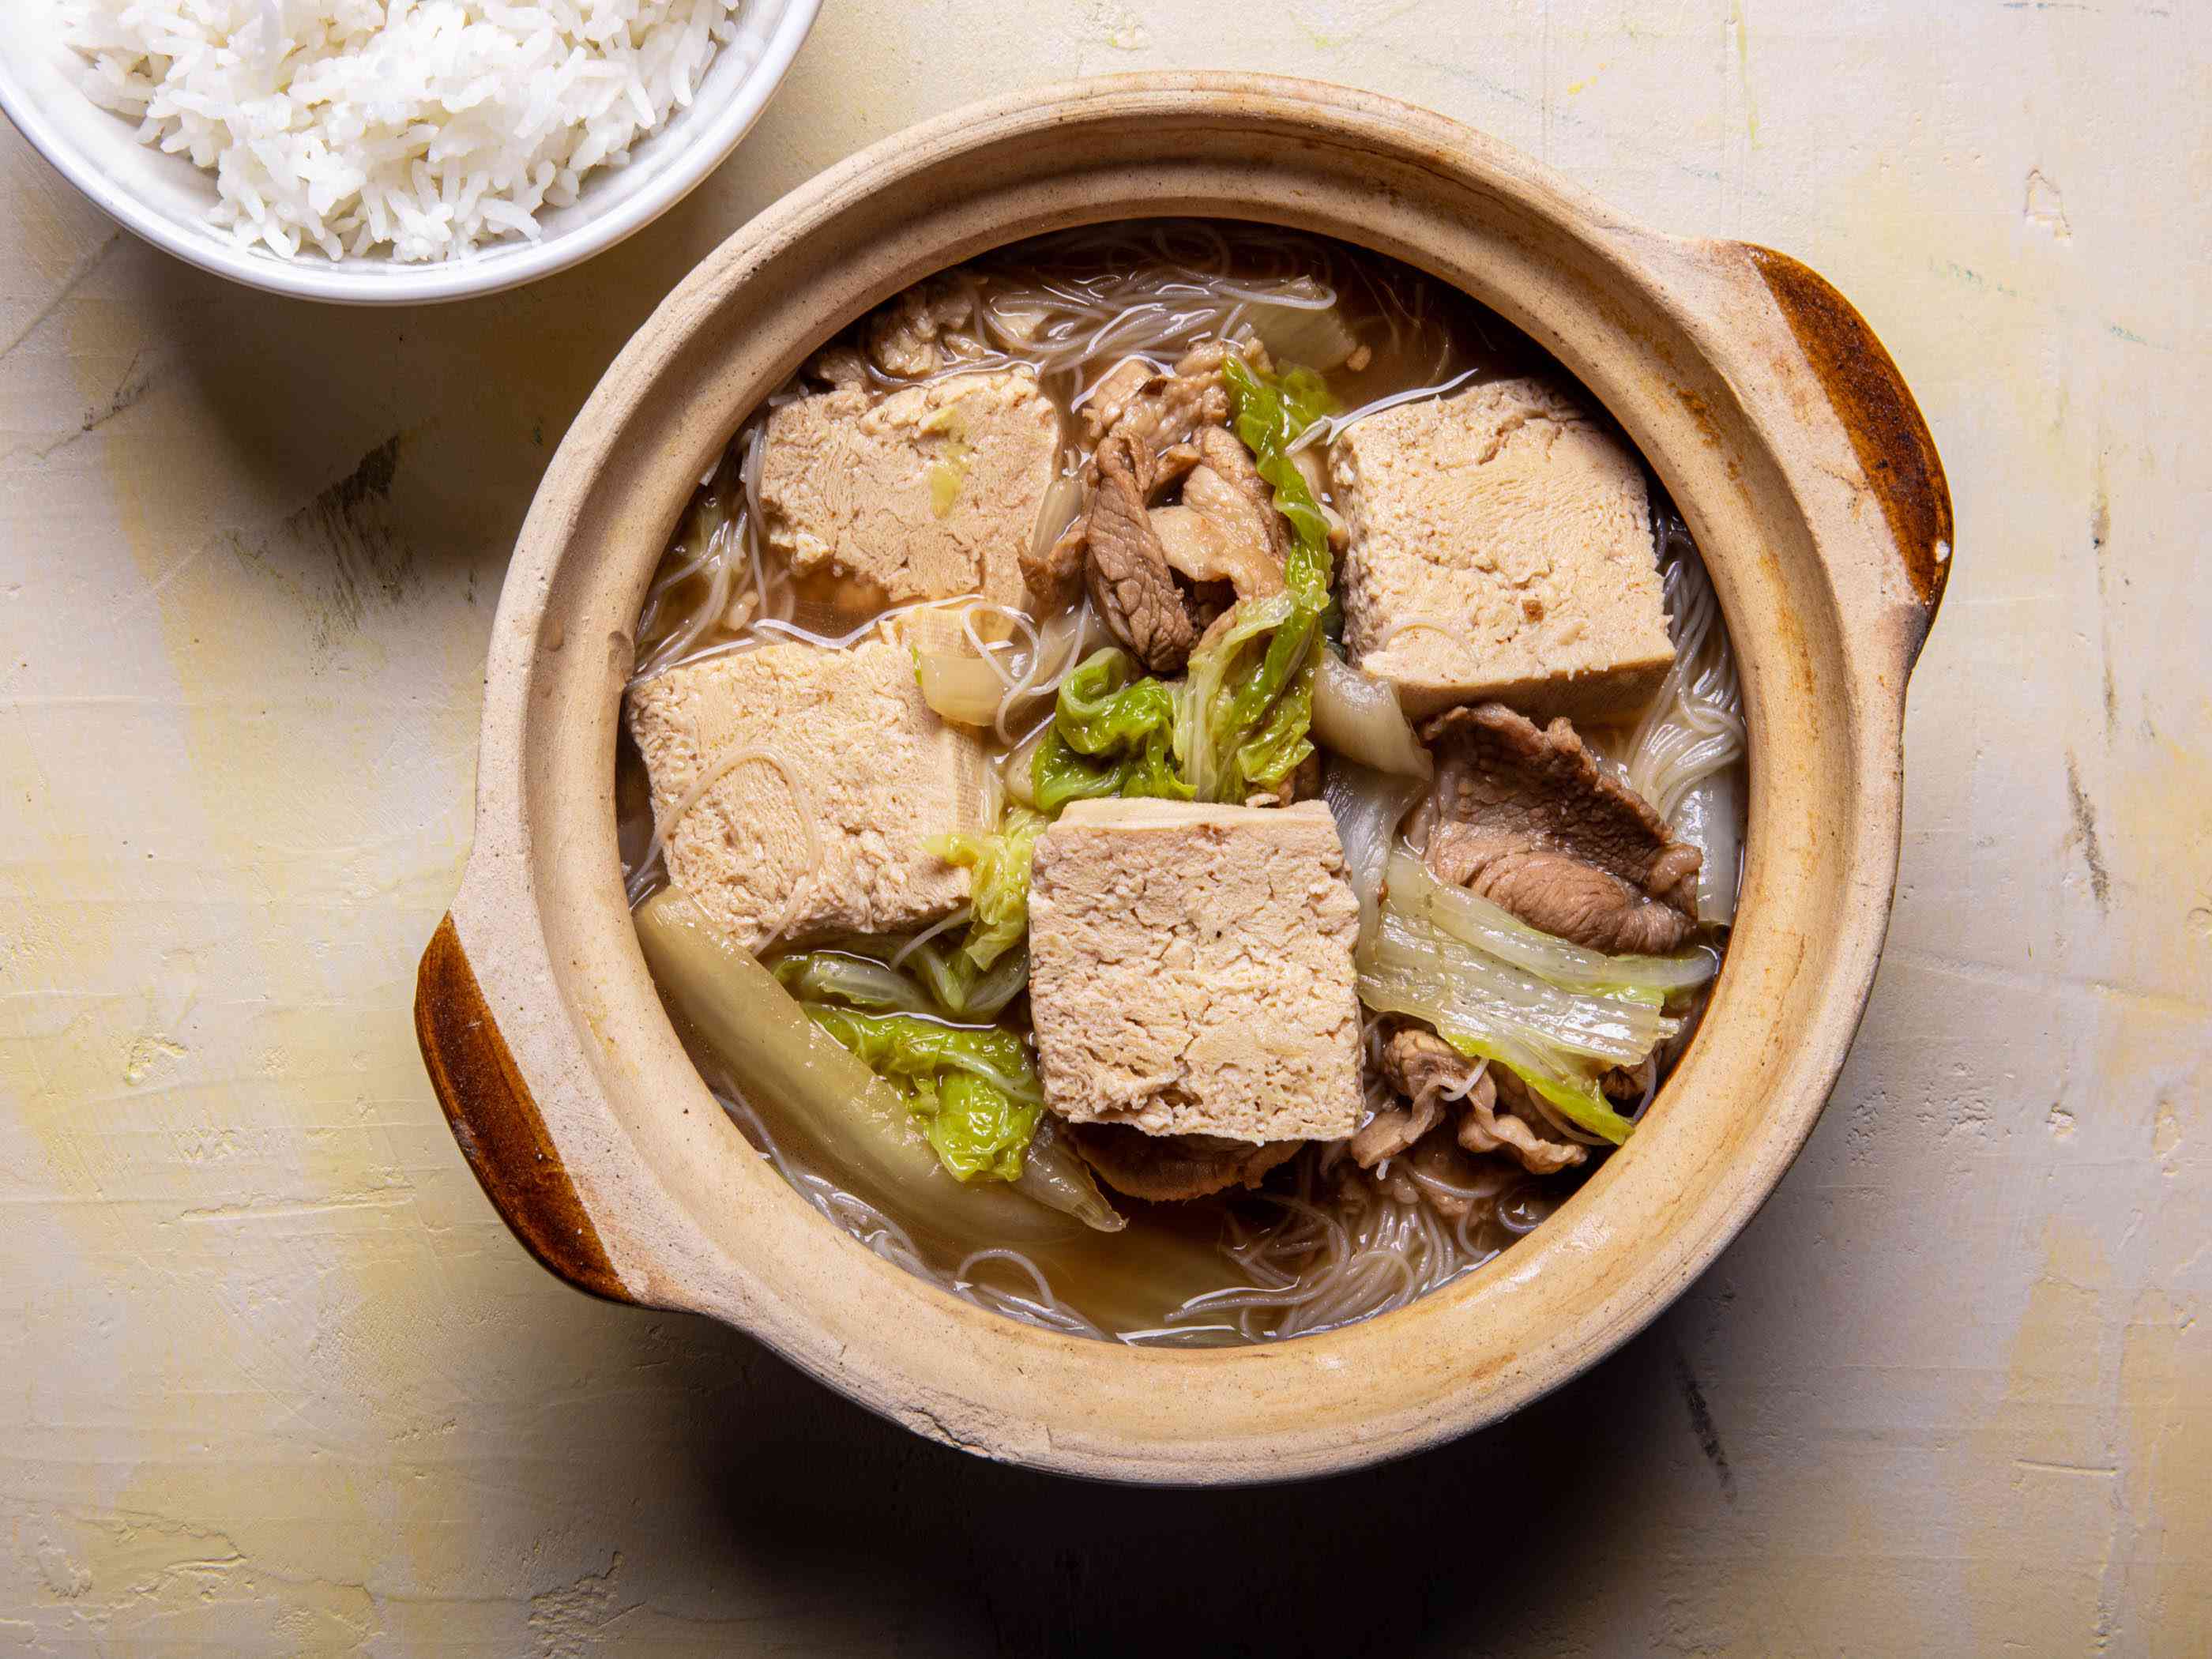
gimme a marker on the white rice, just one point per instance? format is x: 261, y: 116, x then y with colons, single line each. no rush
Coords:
x: 416, y: 128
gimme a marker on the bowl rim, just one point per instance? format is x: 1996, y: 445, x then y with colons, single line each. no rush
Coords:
x: 376, y: 282
x: 1714, y: 356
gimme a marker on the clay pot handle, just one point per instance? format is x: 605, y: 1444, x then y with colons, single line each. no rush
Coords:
x: 497, y: 1123
x: 1896, y: 453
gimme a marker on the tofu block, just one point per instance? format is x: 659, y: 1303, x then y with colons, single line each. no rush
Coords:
x: 1500, y: 547
x: 879, y: 773
x: 1190, y: 969
x: 931, y: 491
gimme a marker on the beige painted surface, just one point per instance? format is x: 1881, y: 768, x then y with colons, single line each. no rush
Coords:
x: 273, y: 1379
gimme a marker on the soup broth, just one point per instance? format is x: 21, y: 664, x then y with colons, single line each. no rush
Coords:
x: 1317, y: 1240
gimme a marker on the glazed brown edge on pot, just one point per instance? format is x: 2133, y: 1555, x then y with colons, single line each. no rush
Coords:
x: 1887, y: 431
x: 497, y: 1124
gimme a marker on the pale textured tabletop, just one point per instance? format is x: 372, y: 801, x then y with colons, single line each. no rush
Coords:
x: 273, y: 1379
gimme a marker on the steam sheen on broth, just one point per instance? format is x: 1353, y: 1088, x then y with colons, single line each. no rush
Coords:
x: 1318, y: 1240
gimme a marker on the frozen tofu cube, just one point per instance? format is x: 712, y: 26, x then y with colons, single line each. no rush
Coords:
x: 1500, y: 547
x: 1190, y: 969
x: 825, y: 774
x: 931, y: 491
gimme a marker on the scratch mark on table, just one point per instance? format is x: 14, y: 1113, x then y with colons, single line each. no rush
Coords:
x: 1739, y: 31
x: 130, y: 392
x: 2085, y: 826
x: 1701, y: 1425
x: 2100, y: 532
x: 84, y: 268
x: 2044, y: 207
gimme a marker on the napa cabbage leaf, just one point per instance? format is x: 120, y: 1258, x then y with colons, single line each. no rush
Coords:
x: 972, y: 1090
x: 999, y: 892
x: 1113, y: 733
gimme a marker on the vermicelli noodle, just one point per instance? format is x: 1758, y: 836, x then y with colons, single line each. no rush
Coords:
x: 1695, y: 726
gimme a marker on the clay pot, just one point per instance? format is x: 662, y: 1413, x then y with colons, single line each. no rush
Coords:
x: 1767, y: 408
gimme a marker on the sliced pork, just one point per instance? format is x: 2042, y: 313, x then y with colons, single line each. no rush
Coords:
x: 1494, y: 1112
x: 1169, y: 1168
x: 1523, y: 816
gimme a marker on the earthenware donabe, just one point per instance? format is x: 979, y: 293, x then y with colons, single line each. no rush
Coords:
x: 1768, y: 409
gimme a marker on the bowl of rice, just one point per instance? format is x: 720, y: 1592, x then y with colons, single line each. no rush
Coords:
x: 391, y: 152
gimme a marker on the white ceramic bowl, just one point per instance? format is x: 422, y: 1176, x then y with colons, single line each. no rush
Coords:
x: 165, y: 198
